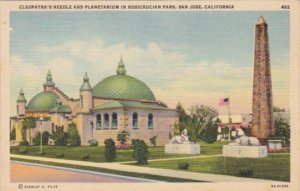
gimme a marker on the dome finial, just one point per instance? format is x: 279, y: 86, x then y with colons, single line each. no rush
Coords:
x: 121, y: 67
x: 49, y: 79
x: 21, y: 91
x: 49, y: 76
x: 21, y: 97
x: 86, y: 85
x: 86, y: 78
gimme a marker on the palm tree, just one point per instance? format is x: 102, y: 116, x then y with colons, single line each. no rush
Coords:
x: 29, y: 123
x: 194, y: 127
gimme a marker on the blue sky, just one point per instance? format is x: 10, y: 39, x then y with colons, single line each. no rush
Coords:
x: 191, y: 57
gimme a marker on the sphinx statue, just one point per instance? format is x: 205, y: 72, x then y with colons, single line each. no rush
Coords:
x: 181, y: 139
x: 246, y: 141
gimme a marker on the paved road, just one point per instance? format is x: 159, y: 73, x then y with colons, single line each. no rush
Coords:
x: 28, y: 172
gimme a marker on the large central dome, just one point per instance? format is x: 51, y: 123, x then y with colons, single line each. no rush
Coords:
x: 122, y: 86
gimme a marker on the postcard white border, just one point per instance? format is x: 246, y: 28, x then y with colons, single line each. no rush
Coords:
x: 7, y: 6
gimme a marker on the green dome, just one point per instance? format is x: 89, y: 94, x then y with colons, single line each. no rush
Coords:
x: 122, y: 86
x: 42, y: 102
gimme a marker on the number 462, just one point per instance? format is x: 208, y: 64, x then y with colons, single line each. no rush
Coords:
x: 285, y: 7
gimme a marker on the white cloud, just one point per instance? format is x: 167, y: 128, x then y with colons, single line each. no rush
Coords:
x: 171, y: 75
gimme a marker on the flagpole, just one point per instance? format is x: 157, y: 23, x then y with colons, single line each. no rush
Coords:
x: 229, y: 129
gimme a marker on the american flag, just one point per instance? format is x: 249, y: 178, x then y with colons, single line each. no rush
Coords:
x: 224, y: 101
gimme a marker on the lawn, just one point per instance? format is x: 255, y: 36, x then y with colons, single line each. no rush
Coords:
x: 273, y: 167
x: 97, y: 153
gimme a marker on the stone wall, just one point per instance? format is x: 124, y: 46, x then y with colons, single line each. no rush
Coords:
x: 163, y: 121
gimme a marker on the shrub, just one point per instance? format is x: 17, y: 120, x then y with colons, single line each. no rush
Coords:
x: 140, y: 152
x: 73, y: 135
x: 246, y: 172
x: 23, y: 150
x: 183, y: 165
x: 133, y: 142
x: 85, y: 157
x: 24, y: 143
x: 37, y: 138
x: 110, y: 150
x: 59, y: 136
x: 59, y: 155
x: 153, y: 140
x: 122, y: 137
x: 93, y: 142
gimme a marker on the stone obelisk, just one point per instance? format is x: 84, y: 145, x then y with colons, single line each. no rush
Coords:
x: 262, y: 101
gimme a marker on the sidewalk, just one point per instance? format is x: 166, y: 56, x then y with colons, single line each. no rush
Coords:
x: 176, y: 158
x: 148, y: 170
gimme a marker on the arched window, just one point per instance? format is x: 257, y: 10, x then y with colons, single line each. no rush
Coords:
x: 114, y: 120
x: 135, y: 120
x: 81, y: 101
x: 98, y: 121
x: 150, y: 120
x: 106, y: 120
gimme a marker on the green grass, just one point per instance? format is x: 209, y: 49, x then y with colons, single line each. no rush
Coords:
x: 109, y: 171
x: 97, y: 153
x: 273, y: 167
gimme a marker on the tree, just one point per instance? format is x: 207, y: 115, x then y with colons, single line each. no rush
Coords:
x: 29, y: 123
x: 182, y: 117
x: 194, y: 127
x: 204, y: 113
x: 210, y: 133
x: 282, y: 129
x: 277, y: 109
x: 201, y: 118
x: 73, y: 135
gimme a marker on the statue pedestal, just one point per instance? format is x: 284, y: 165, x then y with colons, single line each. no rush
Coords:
x: 185, y: 148
x: 245, y: 151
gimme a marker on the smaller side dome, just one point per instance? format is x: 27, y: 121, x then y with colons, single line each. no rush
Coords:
x: 42, y: 102
x: 21, y: 97
x: 86, y: 84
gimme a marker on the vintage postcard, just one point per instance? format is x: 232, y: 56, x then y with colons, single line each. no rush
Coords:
x: 149, y: 95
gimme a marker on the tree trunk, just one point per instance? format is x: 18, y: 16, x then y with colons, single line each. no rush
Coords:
x: 29, y: 136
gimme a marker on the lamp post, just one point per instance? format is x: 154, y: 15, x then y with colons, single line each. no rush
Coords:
x: 41, y: 148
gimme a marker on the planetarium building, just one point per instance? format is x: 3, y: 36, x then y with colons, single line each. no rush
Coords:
x: 118, y: 102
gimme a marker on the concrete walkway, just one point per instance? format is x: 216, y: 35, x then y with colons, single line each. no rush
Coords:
x: 176, y: 158
x: 148, y: 170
